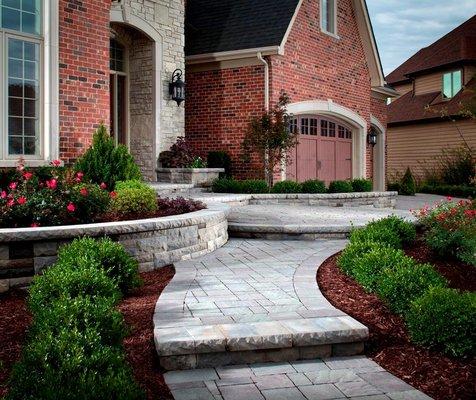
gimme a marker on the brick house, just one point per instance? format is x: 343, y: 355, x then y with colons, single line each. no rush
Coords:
x: 241, y: 55
x: 434, y: 82
x: 70, y: 64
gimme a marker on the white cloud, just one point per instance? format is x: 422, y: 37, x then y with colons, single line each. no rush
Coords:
x: 402, y: 27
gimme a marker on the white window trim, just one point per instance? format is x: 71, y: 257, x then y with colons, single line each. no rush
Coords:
x: 49, y: 90
x: 321, y: 20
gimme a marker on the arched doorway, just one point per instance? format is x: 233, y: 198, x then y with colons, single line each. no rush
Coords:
x: 332, y: 142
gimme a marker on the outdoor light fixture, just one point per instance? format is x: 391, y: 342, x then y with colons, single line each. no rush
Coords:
x: 177, y: 87
x: 372, y: 138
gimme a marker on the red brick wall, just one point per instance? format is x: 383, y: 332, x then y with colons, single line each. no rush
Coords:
x: 218, y: 109
x: 84, y: 73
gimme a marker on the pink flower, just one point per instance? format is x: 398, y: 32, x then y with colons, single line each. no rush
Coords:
x: 35, y: 225
x: 21, y: 200
x: 449, y: 198
x: 103, y: 186
x: 56, y: 163
x: 27, y: 176
x: 3, y: 195
x: 79, y: 177
x: 13, y: 185
x: 71, y: 207
x: 113, y: 195
x: 84, y: 192
x: 52, y: 184
x: 10, y: 203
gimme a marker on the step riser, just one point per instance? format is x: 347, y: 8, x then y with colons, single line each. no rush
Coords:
x: 211, y: 360
x: 286, y: 236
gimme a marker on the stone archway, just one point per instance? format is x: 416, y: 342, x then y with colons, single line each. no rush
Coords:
x: 144, y: 85
x: 378, y: 155
x: 352, y: 119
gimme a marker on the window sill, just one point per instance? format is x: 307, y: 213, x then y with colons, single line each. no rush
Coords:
x: 335, y: 36
x: 28, y: 163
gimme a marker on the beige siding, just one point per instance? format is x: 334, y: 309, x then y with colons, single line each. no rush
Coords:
x: 418, y: 146
x: 428, y: 83
x: 403, y: 89
x: 469, y: 72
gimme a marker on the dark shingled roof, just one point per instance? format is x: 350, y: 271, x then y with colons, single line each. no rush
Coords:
x: 428, y: 106
x: 457, y: 46
x: 213, y: 26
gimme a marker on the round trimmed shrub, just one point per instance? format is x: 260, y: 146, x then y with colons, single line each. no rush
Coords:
x: 313, y: 186
x: 286, y: 187
x: 361, y: 185
x: 446, y: 319
x: 133, y: 200
x: 250, y: 186
x: 109, y: 255
x: 368, y: 269
x: 225, y: 185
x: 353, y: 252
x: 407, y: 184
x: 405, y: 230
x: 400, y: 286
x: 71, y: 278
x: 130, y: 184
x: 376, y: 233
x: 340, y: 187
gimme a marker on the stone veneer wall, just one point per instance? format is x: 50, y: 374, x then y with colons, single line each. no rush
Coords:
x: 168, y: 18
x: 155, y: 243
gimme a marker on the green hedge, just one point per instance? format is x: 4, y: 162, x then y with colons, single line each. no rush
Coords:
x: 445, y: 319
x: 340, y: 187
x: 74, y: 347
x: 313, y: 186
x: 361, y: 185
x: 286, y: 187
x: 249, y: 186
x: 401, y: 285
x: 449, y: 190
x: 353, y: 252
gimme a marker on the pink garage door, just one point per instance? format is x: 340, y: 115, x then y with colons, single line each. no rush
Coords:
x: 324, y: 150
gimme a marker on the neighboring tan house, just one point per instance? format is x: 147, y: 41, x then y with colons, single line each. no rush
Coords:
x: 70, y: 64
x: 433, y: 86
x: 241, y: 55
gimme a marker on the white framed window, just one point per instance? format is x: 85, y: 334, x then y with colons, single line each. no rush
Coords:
x: 328, y: 18
x: 452, y: 83
x: 28, y: 81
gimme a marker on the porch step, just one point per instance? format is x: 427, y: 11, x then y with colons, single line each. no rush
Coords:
x: 176, y: 189
x: 204, y: 346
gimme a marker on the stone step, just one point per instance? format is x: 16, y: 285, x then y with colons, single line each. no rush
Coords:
x: 176, y: 189
x: 203, y: 346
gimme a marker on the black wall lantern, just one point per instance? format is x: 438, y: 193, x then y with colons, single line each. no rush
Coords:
x: 177, y: 87
x: 372, y: 138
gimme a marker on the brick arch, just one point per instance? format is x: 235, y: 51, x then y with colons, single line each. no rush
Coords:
x: 339, y: 112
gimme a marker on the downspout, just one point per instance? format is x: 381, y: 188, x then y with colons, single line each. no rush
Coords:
x: 266, y: 80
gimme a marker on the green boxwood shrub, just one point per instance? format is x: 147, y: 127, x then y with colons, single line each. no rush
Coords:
x: 340, y: 187
x: 393, y: 186
x: 72, y: 278
x: 446, y: 319
x: 408, y: 184
x: 220, y: 159
x: 111, y: 256
x: 313, y: 186
x: 369, y: 267
x: 449, y: 190
x: 353, y: 252
x: 251, y: 186
x: 361, y: 185
x: 106, y: 162
x: 379, y: 234
x: 72, y: 364
x: 286, y: 187
x: 405, y: 230
x: 131, y: 184
x: 398, y: 287
x: 134, y: 201
x: 225, y: 185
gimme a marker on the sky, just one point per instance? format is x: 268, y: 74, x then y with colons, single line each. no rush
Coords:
x: 402, y: 27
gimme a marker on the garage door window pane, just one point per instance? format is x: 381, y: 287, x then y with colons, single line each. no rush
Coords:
x: 313, y: 127
x: 332, y: 129
x: 305, y: 126
x: 324, y: 128
x: 293, y: 126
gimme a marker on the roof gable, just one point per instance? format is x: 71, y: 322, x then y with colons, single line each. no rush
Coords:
x: 457, y: 46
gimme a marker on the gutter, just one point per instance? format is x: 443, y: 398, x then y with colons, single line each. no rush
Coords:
x: 259, y: 55
x: 231, y: 55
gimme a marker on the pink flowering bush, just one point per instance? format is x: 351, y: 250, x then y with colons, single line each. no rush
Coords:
x: 450, y: 228
x: 57, y: 198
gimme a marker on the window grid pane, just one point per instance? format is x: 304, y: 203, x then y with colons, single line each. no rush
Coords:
x: 305, y: 126
x: 21, y: 15
x: 116, y: 56
x: 313, y: 127
x: 324, y: 128
x: 456, y: 82
x: 23, y: 97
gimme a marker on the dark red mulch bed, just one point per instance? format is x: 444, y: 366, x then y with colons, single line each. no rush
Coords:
x: 433, y: 373
x: 14, y: 321
x: 138, y: 309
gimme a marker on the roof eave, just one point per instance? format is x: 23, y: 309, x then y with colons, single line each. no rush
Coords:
x: 232, y: 55
x: 388, y: 92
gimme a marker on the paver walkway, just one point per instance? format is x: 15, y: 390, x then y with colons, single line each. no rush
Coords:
x: 356, y: 378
